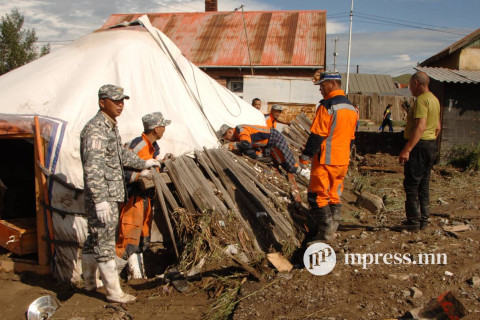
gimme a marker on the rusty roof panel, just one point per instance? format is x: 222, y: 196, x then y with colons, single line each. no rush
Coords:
x: 276, y: 38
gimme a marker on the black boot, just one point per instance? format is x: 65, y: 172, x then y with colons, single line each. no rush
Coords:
x: 424, y: 214
x: 412, y: 211
x: 322, y: 218
x: 336, y: 210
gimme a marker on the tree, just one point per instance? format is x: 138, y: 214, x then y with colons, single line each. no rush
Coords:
x: 17, y: 45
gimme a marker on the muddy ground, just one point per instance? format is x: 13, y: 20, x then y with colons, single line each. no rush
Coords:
x: 379, y: 291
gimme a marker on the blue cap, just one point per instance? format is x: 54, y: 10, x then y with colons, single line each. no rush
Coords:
x: 329, y: 75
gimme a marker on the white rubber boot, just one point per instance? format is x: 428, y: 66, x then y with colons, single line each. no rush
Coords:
x: 90, y: 274
x: 136, y: 269
x: 112, y: 283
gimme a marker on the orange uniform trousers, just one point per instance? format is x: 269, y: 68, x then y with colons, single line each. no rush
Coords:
x: 326, y: 184
x: 135, y: 220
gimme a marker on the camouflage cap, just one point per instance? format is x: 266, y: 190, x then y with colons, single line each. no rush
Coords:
x: 222, y: 130
x: 153, y: 120
x: 112, y: 92
x: 328, y: 75
x: 278, y: 107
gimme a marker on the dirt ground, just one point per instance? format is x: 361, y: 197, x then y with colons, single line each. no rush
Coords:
x: 379, y: 291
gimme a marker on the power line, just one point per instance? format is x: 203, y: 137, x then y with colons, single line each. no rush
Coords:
x: 381, y: 20
x: 410, y: 26
x: 419, y: 23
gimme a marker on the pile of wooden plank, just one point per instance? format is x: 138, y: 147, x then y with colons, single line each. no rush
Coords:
x: 222, y: 206
x: 298, y: 131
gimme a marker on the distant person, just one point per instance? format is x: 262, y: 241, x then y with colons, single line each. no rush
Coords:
x: 136, y: 215
x: 103, y: 159
x: 387, y: 119
x: 328, y: 147
x: 257, y: 104
x: 418, y: 155
x: 274, y: 116
x: 260, y: 142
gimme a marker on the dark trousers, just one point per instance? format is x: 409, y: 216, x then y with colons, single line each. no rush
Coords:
x: 386, y: 122
x: 417, y: 172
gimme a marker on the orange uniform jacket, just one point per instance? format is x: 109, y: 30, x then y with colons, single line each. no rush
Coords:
x: 136, y: 214
x: 251, y: 139
x: 271, y: 122
x: 332, y: 131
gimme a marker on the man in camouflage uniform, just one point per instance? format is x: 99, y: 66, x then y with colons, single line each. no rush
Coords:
x: 103, y: 159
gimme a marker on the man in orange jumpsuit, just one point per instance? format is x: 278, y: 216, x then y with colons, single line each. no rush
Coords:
x: 273, y: 117
x: 136, y: 215
x: 259, y: 142
x: 328, y: 147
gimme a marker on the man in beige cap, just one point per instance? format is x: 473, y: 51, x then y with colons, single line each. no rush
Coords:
x: 274, y: 116
x: 136, y: 215
x: 103, y: 158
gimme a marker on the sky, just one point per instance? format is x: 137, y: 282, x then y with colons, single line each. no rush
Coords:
x: 388, y: 36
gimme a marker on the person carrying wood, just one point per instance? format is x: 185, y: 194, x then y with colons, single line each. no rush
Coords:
x: 136, y: 214
x: 274, y: 116
x: 328, y: 147
x: 259, y: 142
x: 103, y: 159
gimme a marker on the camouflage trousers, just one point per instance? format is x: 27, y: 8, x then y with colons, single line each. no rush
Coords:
x: 101, y: 237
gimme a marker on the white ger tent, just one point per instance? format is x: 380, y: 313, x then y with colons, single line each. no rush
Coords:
x: 61, y: 89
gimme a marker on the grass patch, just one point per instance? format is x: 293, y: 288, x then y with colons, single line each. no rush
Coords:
x: 465, y: 157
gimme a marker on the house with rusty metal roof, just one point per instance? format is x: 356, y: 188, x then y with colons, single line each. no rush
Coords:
x: 455, y: 79
x: 229, y: 45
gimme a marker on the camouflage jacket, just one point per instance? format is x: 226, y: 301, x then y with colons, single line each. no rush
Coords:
x: 103, y: 159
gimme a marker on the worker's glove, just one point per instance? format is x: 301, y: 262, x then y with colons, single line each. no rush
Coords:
x: 147, y: 174
x: 232, y: 146
x: 151, y: 163
x: 104, y: 212
x: 304, y: 162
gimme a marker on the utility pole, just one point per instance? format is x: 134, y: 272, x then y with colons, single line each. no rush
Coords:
x: 349, y: 47
x: 335, y: 54
x: 246, y: 38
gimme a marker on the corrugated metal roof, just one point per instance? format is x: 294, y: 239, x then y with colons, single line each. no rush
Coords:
x: 276, y: 38
x: 369, y: 83
x: 450, y: 75
x: 460, y: 44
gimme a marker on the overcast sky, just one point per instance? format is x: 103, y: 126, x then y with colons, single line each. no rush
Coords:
x: 389, y: 36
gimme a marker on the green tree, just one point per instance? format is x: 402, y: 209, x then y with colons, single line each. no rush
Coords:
x: 17, y: 45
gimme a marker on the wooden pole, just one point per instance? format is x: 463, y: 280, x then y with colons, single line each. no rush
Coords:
x: 43, y: 187
x: 161, y: 199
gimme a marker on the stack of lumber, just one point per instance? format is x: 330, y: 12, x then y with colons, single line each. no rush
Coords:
x: 224, y: 207
x: 298, y: 131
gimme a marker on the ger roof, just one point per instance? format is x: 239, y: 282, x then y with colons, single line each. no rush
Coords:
x: 276, y: 38
x: 450, y: 75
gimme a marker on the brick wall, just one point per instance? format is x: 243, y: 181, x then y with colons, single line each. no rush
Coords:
x: 211, y: 5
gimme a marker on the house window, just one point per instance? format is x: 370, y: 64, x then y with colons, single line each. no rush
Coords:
x: 235, y: 86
